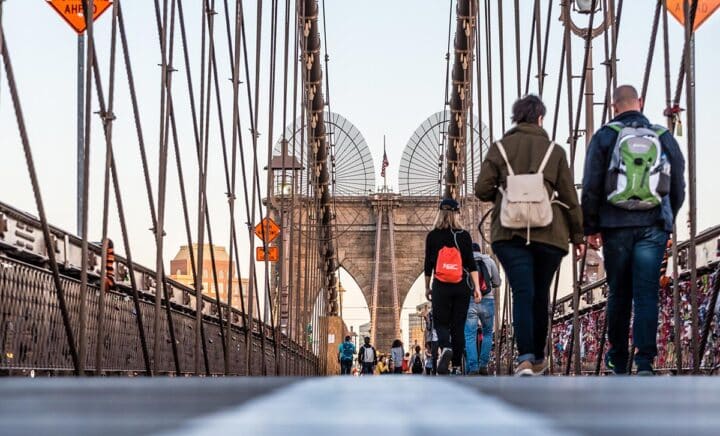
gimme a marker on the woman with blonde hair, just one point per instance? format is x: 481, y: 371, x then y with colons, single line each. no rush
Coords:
x: 451, y: 269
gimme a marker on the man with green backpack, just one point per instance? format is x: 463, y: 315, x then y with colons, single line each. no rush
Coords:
x: 633, y: 188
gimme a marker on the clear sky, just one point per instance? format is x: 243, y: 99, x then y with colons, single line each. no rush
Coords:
x: 387, y: 74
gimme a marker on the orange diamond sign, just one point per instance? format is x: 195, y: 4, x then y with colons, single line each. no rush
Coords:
x: 72, y: 11
x: 267, y: 230
x: 705, y: 8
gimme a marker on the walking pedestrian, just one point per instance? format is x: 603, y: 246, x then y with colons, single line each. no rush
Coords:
x: 484, y: 314
x: 346, y: 353
x: 431, y: 339
x: 396, y: 354
x: 416, y: 361
x: 429, y: 359
x: 449, y: 264
x: 536, y: 214
x: 367, y: 357
x: 633, y: 188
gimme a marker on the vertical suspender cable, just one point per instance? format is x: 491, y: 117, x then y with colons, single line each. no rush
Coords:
x: 689, y: 62
x: 518, y: 66
x: 501, y: 40
x: 86, y: 176
x: 671, y: 125
x: 107, y: 118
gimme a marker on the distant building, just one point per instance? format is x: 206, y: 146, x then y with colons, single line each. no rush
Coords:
x: 415, y: 330
x: 181, y: 271
x: 364, y: 330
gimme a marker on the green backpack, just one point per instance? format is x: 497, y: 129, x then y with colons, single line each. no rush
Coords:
x: 639, y: 172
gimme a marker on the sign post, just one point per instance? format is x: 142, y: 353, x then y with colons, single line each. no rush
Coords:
x: 72, y: 12
x: 80, y: 160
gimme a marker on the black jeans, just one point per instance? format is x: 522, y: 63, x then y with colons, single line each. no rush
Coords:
x: 530, y: 270
x: 345, y: 367
x: 450, y: 305
x: 632, y: 261
x: 367, y: 368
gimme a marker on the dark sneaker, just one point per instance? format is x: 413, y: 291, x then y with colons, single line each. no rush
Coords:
x: 645, y: 370
x: 443, y: 367
x: 613, y: 367
x: 472, y: 373
x: 524, y: 368
x: 483, y: 371
x: 456, y: 371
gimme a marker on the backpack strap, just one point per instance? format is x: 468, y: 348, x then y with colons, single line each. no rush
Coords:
x: 501, y: 149
x: 616, y: 126
x: 546, y: 158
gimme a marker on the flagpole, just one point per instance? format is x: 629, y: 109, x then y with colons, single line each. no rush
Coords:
x: 384, y: 172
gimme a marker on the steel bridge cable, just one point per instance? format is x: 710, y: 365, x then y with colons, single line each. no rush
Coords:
x: 541, y: 73
x: 611, y: 64
x: 573, y: 152
x: 85, y: 194
x: 518, y: 66
x: 501, y: 40
x: 671, y: 126
x: 107, y: 118
x: 651, y: 52
x: 12, y: 88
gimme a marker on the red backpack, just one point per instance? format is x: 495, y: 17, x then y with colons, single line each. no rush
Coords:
x: 449, y: 267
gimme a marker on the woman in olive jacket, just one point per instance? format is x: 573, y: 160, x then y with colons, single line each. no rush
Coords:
x: 531, y: 262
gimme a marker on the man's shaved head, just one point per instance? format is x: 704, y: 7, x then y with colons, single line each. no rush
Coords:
x: 626, y: 98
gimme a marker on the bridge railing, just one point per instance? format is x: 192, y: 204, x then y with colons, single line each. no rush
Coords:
x: 32, y: 336
x: 593, y: 308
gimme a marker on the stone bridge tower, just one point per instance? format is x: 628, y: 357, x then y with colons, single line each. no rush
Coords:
x: 381, y: 235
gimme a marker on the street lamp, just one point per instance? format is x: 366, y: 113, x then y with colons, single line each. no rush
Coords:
x: 586, y: 6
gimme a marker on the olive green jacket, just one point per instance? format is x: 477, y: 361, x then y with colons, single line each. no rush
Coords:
x: 526, y: 145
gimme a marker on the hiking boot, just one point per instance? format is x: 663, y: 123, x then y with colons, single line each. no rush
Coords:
x: 483, y: 371
x: 539, y: 367
x: 524, y: 368
x: 443, y: 367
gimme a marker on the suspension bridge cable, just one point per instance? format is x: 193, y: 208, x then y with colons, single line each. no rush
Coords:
x: 107, y: 117
x: 85, y: 194
x: 30, y: 162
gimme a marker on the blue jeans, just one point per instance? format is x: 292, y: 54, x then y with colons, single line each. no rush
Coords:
x: 485, y: 312
x: 632, y: 261
x: 530, y: 270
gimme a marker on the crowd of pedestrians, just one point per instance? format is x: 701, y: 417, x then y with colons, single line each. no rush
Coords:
x: 632, y: 190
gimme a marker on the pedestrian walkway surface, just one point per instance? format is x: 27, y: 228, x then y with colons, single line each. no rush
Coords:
x: 347, y: 406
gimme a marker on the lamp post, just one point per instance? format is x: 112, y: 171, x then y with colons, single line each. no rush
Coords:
x: 585, y: 7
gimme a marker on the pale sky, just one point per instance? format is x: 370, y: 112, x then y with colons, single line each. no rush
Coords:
x: 387, y: 74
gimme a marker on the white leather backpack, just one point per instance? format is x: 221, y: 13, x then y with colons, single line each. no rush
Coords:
x: 525, y: 201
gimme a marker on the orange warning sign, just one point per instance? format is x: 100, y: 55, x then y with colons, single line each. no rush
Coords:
x: 267, y: 230
x: 272, y: 254
x: 705, y: 8
x: 72, y: 11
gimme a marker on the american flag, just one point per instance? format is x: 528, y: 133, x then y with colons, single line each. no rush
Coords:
x: 385, y: 162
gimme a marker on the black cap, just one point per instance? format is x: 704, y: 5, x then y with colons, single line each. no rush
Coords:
x: 449, y: 204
